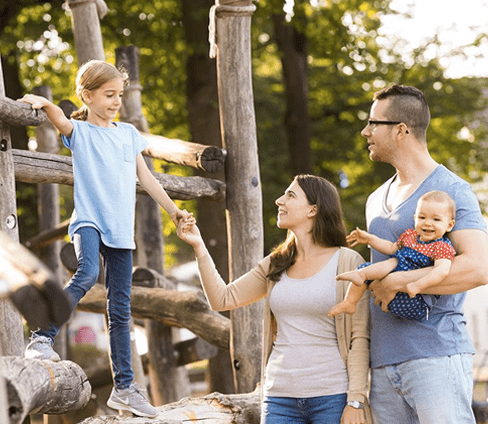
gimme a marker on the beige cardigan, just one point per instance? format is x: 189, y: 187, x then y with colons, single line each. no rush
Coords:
x: 352, y: 330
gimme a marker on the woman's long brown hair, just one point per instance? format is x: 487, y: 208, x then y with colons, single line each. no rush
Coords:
x: 328, y: 228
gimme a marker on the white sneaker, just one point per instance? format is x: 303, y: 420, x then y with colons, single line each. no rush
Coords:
x: 131, y: 399
x: 41, y: 347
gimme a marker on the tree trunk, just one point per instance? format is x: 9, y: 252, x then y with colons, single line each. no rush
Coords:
x: 202, y: 103
x: 245, y: 224
x: 214, y: 408
x: 37, y: 387
x: 293, y: 48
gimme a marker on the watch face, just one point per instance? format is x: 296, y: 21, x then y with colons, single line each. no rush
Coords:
x: 354, y: 404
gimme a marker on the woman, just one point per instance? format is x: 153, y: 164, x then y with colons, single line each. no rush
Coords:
x: 316, y: 368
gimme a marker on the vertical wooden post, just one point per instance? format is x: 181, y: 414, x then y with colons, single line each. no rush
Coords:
x: 244, y: 202
x: 169, y: 383
x: 86, y: 30
x: 11, y: 336
x: 48, y: 201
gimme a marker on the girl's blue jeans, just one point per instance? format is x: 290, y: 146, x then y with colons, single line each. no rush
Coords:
x: 118, y: 281
x: 314, y: 410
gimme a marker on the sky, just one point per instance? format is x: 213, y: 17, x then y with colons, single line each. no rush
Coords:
x: 457, y: 22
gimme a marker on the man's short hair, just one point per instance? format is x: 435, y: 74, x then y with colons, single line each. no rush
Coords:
x: 408, y: 105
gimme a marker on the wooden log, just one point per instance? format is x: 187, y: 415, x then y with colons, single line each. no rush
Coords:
x: 238, y: 123
x: 11, y: 336
x: 38, y: 387
x: 207, y: 158
x: 30, y: 286
x: 193, y: 350
x: 86, y: 30
x: 17, y: 113
x: 47, y: 237
x: 49, y: 213
x: 35, y: 167
x: 168, y: 381
x: 480, y: 410
x: 178, y: 308
x: 214, y: 408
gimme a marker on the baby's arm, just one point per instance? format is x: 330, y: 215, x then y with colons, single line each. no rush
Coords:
x: 359, y: 236
x: 158, y: 193
x: 54, y: 113
x: 438, y: 273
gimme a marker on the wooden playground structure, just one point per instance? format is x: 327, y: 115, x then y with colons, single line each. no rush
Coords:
x: 28, y: 279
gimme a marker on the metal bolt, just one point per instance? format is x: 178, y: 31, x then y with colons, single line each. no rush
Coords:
x: 11, y: 221
x: 237, y: 364
x: 254, y: 181
x: 3, y: 145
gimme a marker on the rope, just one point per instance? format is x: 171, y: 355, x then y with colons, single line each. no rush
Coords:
x: 230, y: 10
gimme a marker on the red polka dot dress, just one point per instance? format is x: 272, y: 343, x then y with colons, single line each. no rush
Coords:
x: 414, y: 254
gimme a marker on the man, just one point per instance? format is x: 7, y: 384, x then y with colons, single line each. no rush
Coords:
x: 421, y: 370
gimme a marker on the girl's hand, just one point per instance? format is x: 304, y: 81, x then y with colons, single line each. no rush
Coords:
x: 179, y: 215
x: 352, y: 416
x: 36, y: 102
x: 357, y: 236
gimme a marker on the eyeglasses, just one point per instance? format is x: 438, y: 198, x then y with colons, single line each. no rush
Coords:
x: 372, y: 122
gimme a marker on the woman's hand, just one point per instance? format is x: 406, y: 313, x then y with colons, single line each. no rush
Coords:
x: 188, y: 231
x: 353, y: 416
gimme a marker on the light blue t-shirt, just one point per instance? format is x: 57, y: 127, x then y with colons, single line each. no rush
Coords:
x: 395, y: 340
x: 104, y: 168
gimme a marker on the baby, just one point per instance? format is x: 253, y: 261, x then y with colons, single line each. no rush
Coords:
x: 424, y: 246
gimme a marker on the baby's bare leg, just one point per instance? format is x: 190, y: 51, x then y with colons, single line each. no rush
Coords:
x: 348, y: 305
x: 356, y: 277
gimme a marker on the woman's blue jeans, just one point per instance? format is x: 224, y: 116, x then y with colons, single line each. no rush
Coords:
x: 314, y: 410
x: 118, y: 281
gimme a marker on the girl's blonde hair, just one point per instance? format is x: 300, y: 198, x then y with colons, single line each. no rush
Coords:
x: 92, y: 75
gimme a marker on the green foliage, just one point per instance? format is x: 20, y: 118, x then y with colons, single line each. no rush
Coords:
x: 347, y: 63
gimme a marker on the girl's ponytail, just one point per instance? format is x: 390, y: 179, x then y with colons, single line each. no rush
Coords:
x: 81, y: 114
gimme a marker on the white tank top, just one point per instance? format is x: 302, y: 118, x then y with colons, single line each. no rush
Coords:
x: 305, y: 360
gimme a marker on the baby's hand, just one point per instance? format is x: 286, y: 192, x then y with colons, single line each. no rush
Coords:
x: 36, y: 102
x: 357, y: 236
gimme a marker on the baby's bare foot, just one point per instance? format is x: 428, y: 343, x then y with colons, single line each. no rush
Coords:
x: 342, y: 308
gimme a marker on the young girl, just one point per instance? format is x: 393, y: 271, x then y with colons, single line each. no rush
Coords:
x: 106, y: 160
x: 315, y: 369
x: 426, y: 245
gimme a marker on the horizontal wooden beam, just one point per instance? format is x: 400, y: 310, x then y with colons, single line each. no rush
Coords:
x: 17, y: 113
x: 43, y: 387
x: 29, y: 284
x: 208, y: 158
x: 186, y: 309
x: 36, y: 167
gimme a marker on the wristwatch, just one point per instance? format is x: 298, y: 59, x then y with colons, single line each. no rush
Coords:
x: 355, y: 404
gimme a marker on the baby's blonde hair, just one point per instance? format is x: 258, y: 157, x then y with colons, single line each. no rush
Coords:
x: 441, y: 197
x: 92, y: 75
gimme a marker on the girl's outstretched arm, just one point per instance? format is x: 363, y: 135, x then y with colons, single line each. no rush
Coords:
x: 158, y: 193
x: 54, y: 113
